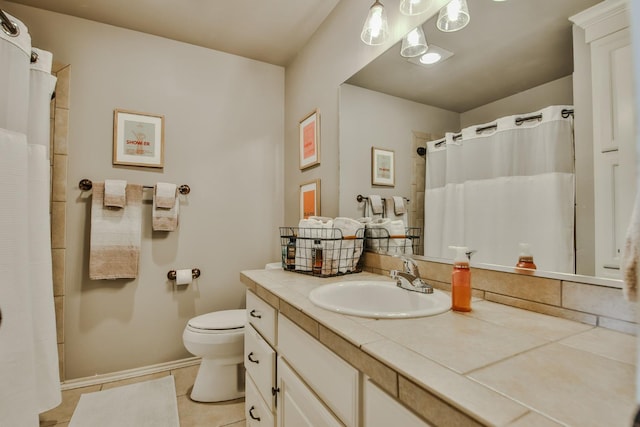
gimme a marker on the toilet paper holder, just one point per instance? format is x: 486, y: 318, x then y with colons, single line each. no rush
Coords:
x: 195, y: 273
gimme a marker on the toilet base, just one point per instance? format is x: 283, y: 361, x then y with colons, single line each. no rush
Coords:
x: 217, y: 383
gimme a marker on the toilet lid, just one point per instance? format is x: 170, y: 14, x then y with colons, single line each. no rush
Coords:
x: 220, y: 320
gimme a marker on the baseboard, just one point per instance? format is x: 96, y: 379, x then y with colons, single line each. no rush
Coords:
x: 129, y: 373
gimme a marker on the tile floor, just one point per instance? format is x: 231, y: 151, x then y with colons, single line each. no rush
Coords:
x: 192, y: 414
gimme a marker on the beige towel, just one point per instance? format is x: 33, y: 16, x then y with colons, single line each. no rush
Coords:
x: 165, y: 195
x: 165, y: 219
x: 398, y: 205
x: 115, y: 235
x: 115, y: 193
x: 376, y: 204
x: 631, y: 255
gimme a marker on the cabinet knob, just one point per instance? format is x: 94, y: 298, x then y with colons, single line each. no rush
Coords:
x: 251, y: 414
x: 255, y: 314
x: 275, y: 390
x: 251, y: 359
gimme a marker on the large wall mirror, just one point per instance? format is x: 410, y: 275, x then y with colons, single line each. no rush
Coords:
x: 514, y: 57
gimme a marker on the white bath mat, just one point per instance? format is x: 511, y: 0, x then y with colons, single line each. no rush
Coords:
x: 146, y: 404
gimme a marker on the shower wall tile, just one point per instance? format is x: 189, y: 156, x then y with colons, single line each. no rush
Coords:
x: 59, y: 179
x: 58, y: 260
x: 62, y: 88
x: 59, y: 305
x: 61, y: 361
x: 61, y: 131
x: 58, y: 218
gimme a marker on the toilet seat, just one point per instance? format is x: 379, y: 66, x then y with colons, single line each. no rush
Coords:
x: 219, y: 322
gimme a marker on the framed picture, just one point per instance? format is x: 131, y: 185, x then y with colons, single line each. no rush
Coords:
x: 383, y: 171
x: 310, y: 199
x: 138, y: 139
x: 309, y: 129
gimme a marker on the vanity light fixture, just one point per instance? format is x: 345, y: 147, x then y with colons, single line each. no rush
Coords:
x: 375, y: 30
x: 454, y: 16
x: 414, y: 7
x: 414, y: 43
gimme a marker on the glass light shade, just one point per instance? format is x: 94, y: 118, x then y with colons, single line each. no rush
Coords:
x: 414, y: 7
x: 454, y: 16
x: 375, y: 30
x: 414, y: 43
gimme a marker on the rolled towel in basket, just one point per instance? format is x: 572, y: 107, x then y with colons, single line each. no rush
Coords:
x: 309, y: 230
x: 398, y: 242
x: 388, y: 236
x: 377, y: 234
x: 351, y: 248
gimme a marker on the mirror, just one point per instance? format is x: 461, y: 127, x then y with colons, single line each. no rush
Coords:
x: 514, y: 57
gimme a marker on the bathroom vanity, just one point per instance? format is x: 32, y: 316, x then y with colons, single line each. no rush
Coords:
x: 495, y: 366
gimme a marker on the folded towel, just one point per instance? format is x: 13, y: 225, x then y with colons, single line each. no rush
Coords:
x: 115, y: 193
x: 390, y: 210
x: 631, y: 255
x: 165, y: 195
x: 351, y: 247
x: 388, y: 236
x: 115, y: 235
x: 398, y: 205
x: 165, y: 219
x: 376, y: 204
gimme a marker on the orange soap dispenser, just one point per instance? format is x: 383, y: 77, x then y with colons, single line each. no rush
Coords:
x: 461, y: 280
x: 525, y: 260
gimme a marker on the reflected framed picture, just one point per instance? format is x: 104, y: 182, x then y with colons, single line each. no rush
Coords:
x: 383, y: 171
x: 138, y: 139
x: 309, y: 129
x: 310, y: 199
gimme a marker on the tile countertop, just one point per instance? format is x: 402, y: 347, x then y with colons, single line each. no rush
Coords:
x: 497, y: 365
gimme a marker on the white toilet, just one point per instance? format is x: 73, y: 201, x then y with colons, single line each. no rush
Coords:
x: 218, y: 338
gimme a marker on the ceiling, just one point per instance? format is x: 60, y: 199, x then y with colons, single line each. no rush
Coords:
x: 271, y: 31
x: 506, y: 48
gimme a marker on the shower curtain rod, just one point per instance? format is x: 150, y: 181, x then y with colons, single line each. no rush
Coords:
x: 566, y: 112
x: 9, y: 27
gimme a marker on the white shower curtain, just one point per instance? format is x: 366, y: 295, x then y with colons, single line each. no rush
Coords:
x: 29, y: 378
x: 513, y: 183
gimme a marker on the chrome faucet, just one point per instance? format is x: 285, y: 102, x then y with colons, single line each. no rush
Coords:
x: 410, y: 279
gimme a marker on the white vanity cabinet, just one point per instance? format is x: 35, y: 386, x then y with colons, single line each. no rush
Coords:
x: 293, y: 380
x: 608, y: 41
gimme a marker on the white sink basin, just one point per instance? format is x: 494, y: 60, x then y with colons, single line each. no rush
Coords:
x: 378, y: 300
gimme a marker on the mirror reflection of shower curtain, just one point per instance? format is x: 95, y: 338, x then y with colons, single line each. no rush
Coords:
x: 28, y: 345
x: 495, y: 189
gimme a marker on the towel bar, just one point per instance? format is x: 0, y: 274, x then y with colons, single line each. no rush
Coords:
x: 195, y: 273
x: 86, y: 185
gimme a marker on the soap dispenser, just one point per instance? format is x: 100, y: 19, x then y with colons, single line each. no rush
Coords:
x: 525, y: 260
x: 461, y: 280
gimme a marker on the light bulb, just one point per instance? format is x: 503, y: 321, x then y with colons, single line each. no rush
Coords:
x: 375, y: 29
x: 453, y: 10
x: 454, y: 16
x: 414, y: 7
x: 430, y: 58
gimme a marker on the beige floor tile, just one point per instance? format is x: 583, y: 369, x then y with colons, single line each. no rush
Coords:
x: 456, y: 340
x: 607, y: 343
x: 155, y: 376
x: 185, y: 378
x: 536, y: 324
x: 193, y: 414
x: 64, y: 411
x: 572, y: 386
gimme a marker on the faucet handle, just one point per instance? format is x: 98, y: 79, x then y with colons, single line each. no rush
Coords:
x: 394, y: 274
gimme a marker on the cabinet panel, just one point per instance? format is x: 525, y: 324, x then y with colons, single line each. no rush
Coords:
x: 260, y: 363
x: 262, y: 316
x: 297, y: 405
x: 256, y: 411
x: 333, y: 379
x: 382, y: 410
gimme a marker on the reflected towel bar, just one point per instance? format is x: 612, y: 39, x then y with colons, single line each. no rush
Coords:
x: 360, y: 198
x: 86, y: 185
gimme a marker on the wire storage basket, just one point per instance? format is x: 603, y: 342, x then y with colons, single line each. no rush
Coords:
x: 322, y: 252
x: 380, y: 241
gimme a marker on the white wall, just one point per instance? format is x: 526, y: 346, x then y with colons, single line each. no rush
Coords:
x: 373, y: 119
x: 224, y: 120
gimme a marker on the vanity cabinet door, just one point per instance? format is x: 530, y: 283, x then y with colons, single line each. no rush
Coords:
x: 260, y: 363
x: 256, y: 411
x: 297, y: 405
x: 382, y: 410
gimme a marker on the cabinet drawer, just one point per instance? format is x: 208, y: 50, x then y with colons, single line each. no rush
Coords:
x: 260, y: 363
x: 382, y: 410
x: 262, y: 316
x: 256, y: 411
x: 333, y: 379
